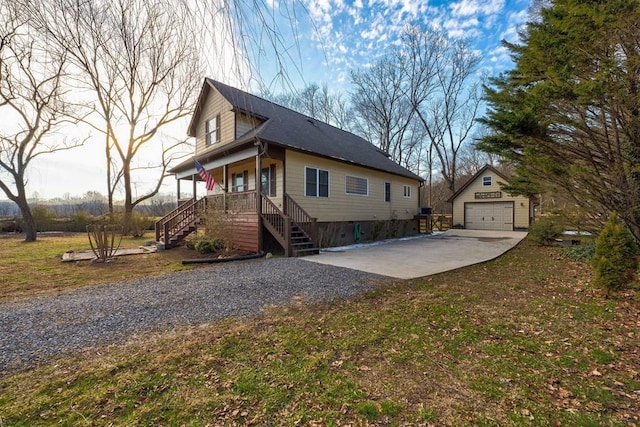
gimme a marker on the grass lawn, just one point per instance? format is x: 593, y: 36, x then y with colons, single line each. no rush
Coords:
x: 522, y: 340
x: 36, y: 268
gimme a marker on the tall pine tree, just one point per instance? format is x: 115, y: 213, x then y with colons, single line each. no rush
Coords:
x: 568, y: 114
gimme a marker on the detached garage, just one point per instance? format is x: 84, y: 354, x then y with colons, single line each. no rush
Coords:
x: 480, y: 204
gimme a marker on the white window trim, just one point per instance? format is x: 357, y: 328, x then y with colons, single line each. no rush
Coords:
x: 317, y: 169
x: 356, y: 194
x: 490, y: 181
x: 406, y: 189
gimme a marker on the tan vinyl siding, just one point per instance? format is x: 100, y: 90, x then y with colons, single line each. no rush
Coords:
x: 249, y: 166
x: 215, y: 104
x: 217, y: 175
x: 277, y: 199
x: 244, y: 124
x: 237, y: 168
x: 521, y: 204
x: 340, y: 206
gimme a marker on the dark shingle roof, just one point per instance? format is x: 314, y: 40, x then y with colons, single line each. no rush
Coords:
x: 296, y: 131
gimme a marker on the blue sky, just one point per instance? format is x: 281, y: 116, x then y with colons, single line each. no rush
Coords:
x: 320, y: 41
x: 335, y: 36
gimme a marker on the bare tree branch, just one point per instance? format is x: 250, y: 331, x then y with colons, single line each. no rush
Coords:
x: 32, y: 104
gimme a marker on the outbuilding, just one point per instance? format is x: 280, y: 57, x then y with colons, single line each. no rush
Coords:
x: 480, y: 204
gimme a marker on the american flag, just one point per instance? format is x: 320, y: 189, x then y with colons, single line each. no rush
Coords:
x: 206, y: 176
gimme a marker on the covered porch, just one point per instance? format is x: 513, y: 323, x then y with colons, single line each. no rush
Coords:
x: 249, y: 193
x: 236, y: 174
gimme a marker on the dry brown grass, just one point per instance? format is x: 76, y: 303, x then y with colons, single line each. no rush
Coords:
x: 36, y: 268
x: 522, y: 340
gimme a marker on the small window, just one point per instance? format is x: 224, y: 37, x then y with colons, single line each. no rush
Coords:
x: 323, y: 183
x: 268, y: 181
x: 487, y: 181
x: 406, y: 191
x: 387, y: 192
x: 316, y: 182
x: 212, y: 129
x: 356, y: 185
x: 240, y: 182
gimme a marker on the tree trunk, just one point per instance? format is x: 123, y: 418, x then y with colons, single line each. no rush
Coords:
x: 30, y: 228
x: 128, y: 198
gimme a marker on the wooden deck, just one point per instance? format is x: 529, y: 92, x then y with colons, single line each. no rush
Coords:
x: 244, y: 231
x: 294, y: 229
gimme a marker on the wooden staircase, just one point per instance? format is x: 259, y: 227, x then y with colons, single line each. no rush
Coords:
x: 301, y: 243
x: 295, y: 230
x: 180, y: 222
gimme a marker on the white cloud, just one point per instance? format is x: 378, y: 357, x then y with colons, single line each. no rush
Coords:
x: 519, y: 17
x: 369, y: 34
x: 510, y: 34
x: 516, y: 21
x: 455, y: 23
x: 499, y: 55
x: 476, y: 7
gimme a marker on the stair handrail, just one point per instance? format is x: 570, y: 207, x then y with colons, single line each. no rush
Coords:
x: 269, y: 210
x: 301, y: 218
x: 177, y: 219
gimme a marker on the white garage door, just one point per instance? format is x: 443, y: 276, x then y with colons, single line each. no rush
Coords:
x: 488, y: 216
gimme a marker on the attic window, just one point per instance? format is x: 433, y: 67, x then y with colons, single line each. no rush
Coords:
x: 487, y: 181
x: 212, y: 130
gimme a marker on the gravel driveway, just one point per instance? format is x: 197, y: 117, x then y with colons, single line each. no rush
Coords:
x: 34, y: 331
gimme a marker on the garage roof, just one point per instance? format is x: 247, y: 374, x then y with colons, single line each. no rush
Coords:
x: 470, y: 181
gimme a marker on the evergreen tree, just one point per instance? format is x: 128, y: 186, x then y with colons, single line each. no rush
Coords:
x: 614, y: 260
x: 568, y: 114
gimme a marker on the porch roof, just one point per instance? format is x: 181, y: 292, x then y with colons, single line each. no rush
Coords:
x: 290, y: 129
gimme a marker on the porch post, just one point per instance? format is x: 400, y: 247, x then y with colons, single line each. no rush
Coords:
x: 178, y: 184
x: 226, y: 186
x: 195, y: 197
x: 259, y: 200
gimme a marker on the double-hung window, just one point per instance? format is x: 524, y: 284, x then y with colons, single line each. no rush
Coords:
x: 240, y: 181
x: 387, y: 192
x: 407, y: 191
x: 268, y: 180
x: 316, y: 182
x: 212, y: 130
x: 356, y: 185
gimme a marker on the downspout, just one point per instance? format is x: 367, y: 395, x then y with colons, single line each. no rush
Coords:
x: 258, y: 186
x: 225, y: 188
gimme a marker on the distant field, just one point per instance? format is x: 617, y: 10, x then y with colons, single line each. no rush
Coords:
x: 522, y: 340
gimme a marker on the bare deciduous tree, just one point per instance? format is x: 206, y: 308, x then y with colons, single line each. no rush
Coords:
x: 419, y: 103
x: 317, y: 102
x: 32, y: 107
x: 140, y: 61
x: 444, y: 93
x: 383, y: 112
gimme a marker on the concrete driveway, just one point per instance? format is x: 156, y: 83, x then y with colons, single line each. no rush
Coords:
x: 424, y: 255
